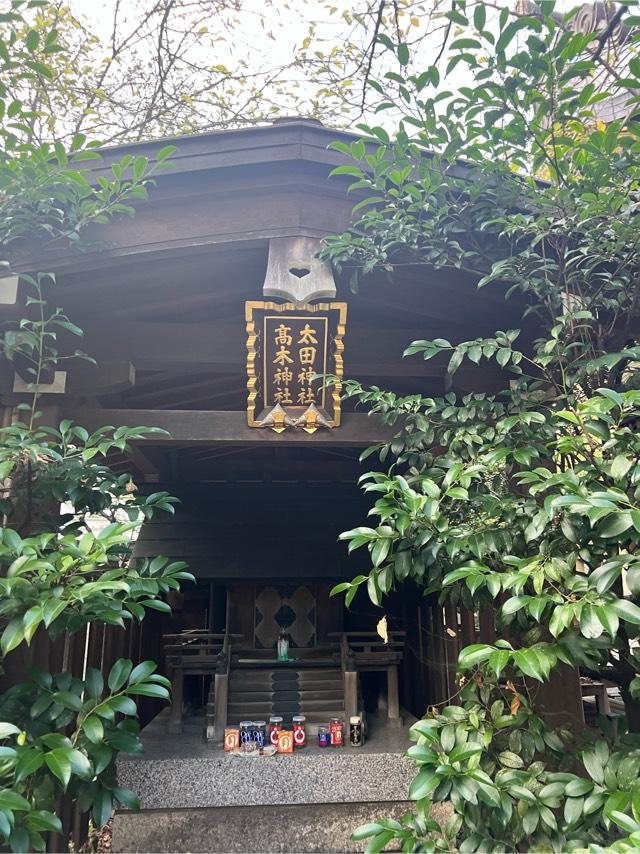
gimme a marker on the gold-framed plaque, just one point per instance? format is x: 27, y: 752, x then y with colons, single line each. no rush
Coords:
x: 289, y: 348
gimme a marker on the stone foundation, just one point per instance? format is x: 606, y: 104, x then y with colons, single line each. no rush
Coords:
x: 277, y: 828
x: 196, y: 798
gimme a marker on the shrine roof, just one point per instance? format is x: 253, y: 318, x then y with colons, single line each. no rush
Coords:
x: 286, y: 138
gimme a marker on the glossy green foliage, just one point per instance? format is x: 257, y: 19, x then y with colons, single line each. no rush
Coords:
x: 64, y: 736
x: 526, y: 501
x: 68, y: 519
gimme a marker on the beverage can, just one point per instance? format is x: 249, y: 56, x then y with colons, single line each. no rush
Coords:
x: 336, y: 732
x: 355, y: 731
x: 247, y: 743
x: 275, y: 726
x: 260, y: 734
x: 299, y: 731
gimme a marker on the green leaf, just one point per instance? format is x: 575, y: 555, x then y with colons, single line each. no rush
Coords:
x: 119, y: 673
x: 19, y: 841
x: 578, y: 787
x: 126, y: 798
x: 380, y: 551
x: 590, y: 625
x: 102, y: 807
x: 80, y: 764
x: 620, y: 466
x: 52, y: 610
x: 12, y: 636
x: 68, y: 700
x: 30, y: 621
x: 124, y: 705
x: 608, y: 618
x: 141, y: 671
x: 94, y: 683
x: 498, y: 660
x: 59, y: 764
x: 32, y: 40
x: 625, y: 822
x: 455, y: 361
x: 606, y: 575
x: 593, y: 765
x: 365, y: 831
x: 423, y: 784
x: 29, y: 761
x: 402, y: 566
x: 10, y: 800
x: 43, y: 820
x: 573, y: 810
x: 627, y: 611
x: 510, y: 760
x: 403, y: 53
x: 7, y: 729
x: 615, y: 524
x: 149, y: 689
x: 93, y: 729
x: 473, y: 655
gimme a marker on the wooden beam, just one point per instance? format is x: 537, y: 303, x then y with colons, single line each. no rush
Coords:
x: 220, y: 347
x: 204, y: 427
x: 82, y: 377
x: 150, y: 473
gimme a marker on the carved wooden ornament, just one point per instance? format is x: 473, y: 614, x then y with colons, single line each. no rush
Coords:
x: 295, y: 273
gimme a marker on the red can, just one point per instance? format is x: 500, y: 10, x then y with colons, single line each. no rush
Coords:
x: 299, y: 731
x: 275, y: 726
x: 336, y: 730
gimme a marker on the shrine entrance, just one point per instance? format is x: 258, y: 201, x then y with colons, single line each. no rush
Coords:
x: 266, y: 554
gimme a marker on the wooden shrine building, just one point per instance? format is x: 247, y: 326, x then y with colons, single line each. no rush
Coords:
x: 209, y: 314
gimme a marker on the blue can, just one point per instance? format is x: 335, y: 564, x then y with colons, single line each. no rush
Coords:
x: 260, y: 733
x: 246, y: 736
x: 324, y: 736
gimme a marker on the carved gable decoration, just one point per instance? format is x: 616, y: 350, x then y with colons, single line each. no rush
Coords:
x: 288, y: 347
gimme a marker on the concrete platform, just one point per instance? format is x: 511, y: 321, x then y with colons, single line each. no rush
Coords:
x: 183, y: 772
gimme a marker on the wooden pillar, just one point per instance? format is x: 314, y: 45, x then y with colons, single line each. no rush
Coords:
x: 559, y: 699
x: 487, y: 625
x: 350, y: 678
x: 220, y: 700
x: 177, y: 695
x: 452, y: 648
x: 393, y: 696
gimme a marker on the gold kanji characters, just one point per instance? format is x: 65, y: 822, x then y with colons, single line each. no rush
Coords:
x: 307, y: 335
x: 305, y: 375
x: 306, y: 396
x: 307, y: 355
x: 283, y: 396
x: 283, y: 335
x: 283, y: 376
x: 283, y: 356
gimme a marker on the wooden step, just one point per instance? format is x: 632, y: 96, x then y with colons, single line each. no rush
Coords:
x: 313, y: 719
x: 293, y: 694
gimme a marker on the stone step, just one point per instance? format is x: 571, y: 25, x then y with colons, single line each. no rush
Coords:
x: 304, y: 828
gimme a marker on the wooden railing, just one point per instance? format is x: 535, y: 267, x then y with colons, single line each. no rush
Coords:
x: 196, y: 653
x: 367, y: 651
